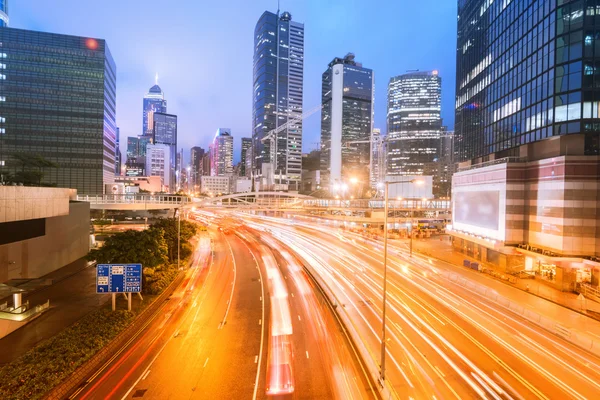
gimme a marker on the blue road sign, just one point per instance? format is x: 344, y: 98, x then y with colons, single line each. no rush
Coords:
x: 118, y: 278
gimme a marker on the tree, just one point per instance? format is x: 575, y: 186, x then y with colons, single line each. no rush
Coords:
x: 148, y: 248
x: 32, y: 167
x: 169, y: 227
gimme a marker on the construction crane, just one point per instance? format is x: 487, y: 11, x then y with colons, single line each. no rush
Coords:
x: 272, y: 135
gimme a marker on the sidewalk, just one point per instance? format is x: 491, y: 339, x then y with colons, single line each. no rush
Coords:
x: 72, y: 294
x: 442, y: 250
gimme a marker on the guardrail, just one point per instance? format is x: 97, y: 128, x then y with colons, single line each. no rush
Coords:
x: 134, y: 199
x: 397, y: 205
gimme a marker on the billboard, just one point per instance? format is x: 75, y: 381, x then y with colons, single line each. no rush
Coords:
x: 480, y: 209
x: 118, y: 278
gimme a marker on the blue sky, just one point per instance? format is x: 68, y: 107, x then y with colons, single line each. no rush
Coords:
x: 202, y: 51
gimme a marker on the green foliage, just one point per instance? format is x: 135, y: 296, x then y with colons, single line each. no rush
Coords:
x: 170, y: 228
x: 156, y: 280
x: 45, y: 366
x: 146, y: 247
x: 31, y: 167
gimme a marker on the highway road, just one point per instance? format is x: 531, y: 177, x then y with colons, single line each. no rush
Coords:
x: 223, y: 334
x: 443, y: 341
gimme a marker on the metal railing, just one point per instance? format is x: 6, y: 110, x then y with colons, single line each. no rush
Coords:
x: 493, y: 162
x: 134, y: 199
x: 408, y: 204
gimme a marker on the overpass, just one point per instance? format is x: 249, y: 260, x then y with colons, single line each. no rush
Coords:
x: 135, y: 202
x: 260, y: 201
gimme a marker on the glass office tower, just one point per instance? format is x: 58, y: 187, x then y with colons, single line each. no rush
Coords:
x: 526, y: 71
x: 246, y: 145
x: 3, y: 13
x: 221, y: 153
x: 57, y: 99
x: 165, y: 132
x: 346, y: 122
x: 278, y: 90
x: 154, y: 101
x: 414, y: 125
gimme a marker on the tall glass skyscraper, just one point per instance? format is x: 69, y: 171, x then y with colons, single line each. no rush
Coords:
x: 164, y: 131
x: 278, y: 90
x: 154, y: 101
x: 3, y: 13
x: 221, y: 153
x: 57, y: 99
x: 526, y: 71
x: 346, y: 122
x: 414, y: 125
x: 246, y: 145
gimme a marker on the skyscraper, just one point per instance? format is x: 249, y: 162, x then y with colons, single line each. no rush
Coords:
x: 414, y: 125
x: 278, y: 90
x: 58, y: 100
x: 165, y: 132
x: 527, y: 135
x: 221, y: 150
x: 118, y: 153
x: 196, y: 154
x: 158, y: 161
x: 3, y: 13
x: 154, y: 101
x: 132, y: 147
x: 346, y: 122
x: 246, y: 145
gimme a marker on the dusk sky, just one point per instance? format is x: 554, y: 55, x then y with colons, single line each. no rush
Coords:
x: 202, y: 51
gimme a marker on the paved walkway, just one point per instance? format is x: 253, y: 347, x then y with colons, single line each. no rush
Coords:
x: 440, y: 247
x: 72, y: 294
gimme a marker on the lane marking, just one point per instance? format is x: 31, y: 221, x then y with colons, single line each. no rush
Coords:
x: 255, y: 359
x: 306, y: 353
x: 299, y: 319
x: 262, y: 331
x: 232, y: 285
x: 292, y: 294
x: 146, y: 374
x: 260, y: 321
x: 205, y: 362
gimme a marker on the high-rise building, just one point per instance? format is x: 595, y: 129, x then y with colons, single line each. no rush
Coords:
x: 377, y: 157
x: 248, y: 162
x: 132, y: 147
x: 158, y: 162
x: 206, y: 161
x: 196, y: 155
x: 447, y: 165
x: 3, y: 13
x: 246, y: 145
x: 165, y: 132
x: 118, y: 153
x: 221, y: 150
x: 346, y: 122
x: 278, y: 90
x: 527, y: 136
x: 414, y: 125
x: 57, y: 100
x: 154, y: 101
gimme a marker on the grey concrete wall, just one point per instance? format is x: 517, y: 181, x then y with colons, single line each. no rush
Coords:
x: 19, y: 203
x: 66, y: 240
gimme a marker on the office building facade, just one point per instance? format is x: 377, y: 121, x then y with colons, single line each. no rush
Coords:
x: 527, y: 137
x: 246, y: 146
x: 414, y: 125
x: 221, y: 153
x: 118, y: 153
x: 278, y: 93
x: 154, y: 102
x: 346, y: 122
x: 3, y: 13
x: 158, y: 163
x: 58, y: 97
x: 196, y: 155
x: 164, y: 131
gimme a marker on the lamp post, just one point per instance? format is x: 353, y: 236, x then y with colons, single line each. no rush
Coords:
x: 385, y: 251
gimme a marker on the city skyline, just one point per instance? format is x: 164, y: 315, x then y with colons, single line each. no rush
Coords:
x: 324, y: 40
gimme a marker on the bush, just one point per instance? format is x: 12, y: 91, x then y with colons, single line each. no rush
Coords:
x: 45, y: 366
x: 158, y: 279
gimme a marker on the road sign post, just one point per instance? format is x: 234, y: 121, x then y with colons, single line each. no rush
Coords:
x: 119, y: 278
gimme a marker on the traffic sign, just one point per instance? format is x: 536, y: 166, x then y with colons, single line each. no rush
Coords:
x: 118, y: 278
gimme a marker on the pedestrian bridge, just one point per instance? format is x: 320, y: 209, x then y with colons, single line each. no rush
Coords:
x: 135, y: 201
x: 255, y: 201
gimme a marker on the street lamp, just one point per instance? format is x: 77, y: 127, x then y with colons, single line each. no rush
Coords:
x: 386, y: 185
